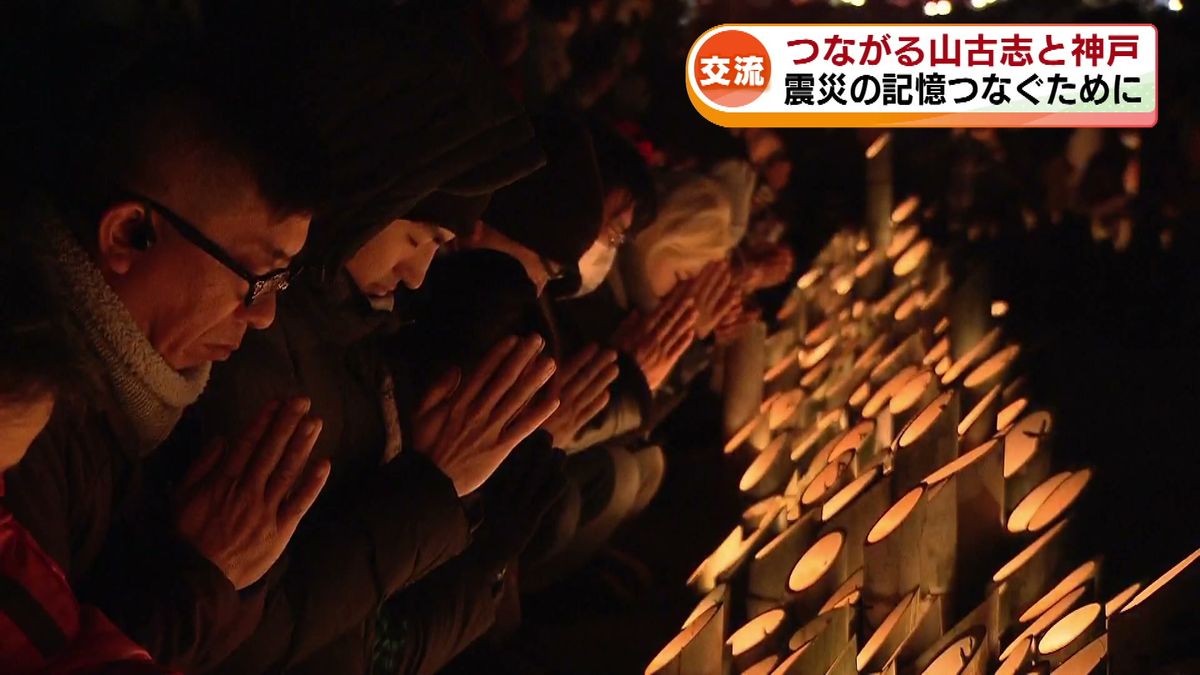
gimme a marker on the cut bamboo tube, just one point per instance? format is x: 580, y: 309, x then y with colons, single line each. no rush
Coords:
x: 1063, y: 498
x: 846, y: 595
x: 836, y: 474
x: 907, y: 353
x: 827, y: 426
x: 817, y: 574
x: 1009, y: 414
x: 781, y: 414
x: 1086, y: 661
x: 969, y: 313
x: 927, y: 443
x: 888, y: 303
x: 858, y: 441
x: 879, y: 194
x: 890, y: 570
x: 1084, y: 574
x: 1045, y: 620
x: 909, y: 619
x: 704, y: 579
x: 913, y: 260
x: 964, y: 524
x: 810, y: 358
x: 750, y: 433
x: 855, y: 509
x: 1159, y: 625
x: 1019, y: 660
x: 1022, y: 580
x: 1026, y: 457
x: 769, y: 471
x: 1071, y: 633
x: 936, y: 352
x: 759, y: 638
x: 1118, y: 601
x: 908, y: 315
x: 904, y: 238
x: 1023, y: 514
x: 876, y: 408
x: 815, y: 647
x: 961, y: 364
x: 772, y: 565
x: 1015, y: 389
x: 991, y: 373
x: 773, y: 506
x: 784, y: 372
x: 764, y: 667
x: 983, y: 616
x: 916, y: 393
x: 717, y: 597
x: 697, y: 650
x: 942, y: 328
x: 903, y: 211
x: 968, y: 655
x: 978, y: 425
x: 869, y: 275
x: 937, y: 305
x: 845, y: 664
x: 742, y: 389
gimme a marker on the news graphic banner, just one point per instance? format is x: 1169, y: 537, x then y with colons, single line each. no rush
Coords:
x: 926, y: 75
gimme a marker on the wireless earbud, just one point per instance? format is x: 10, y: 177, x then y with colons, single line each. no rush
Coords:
x: 143, y: 236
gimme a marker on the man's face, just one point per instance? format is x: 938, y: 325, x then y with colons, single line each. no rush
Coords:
x: 398, y: 254
x: 190, y: 306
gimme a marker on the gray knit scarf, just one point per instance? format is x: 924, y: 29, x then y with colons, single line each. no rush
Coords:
x: 152, y: 395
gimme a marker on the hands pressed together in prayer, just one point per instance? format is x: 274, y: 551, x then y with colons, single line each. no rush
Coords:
x: 240, y: 502
x: 468, y: 426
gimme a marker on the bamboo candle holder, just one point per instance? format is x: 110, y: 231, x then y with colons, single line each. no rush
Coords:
x: 978, y: 425
x: 1086, y: 661
x: 890, y: 570
x: 1023, y: 579
x: 1071, y: 633
x: 1159, y: 624
x: 855, y: 509
x: 927, y: 443
x: 968, y: 655
x: 762, y: 636
x: 817, y: 574
x: 1026, y: 457
x: 699, y: 649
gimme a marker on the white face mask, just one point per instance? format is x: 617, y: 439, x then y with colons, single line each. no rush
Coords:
x: 594, y: 267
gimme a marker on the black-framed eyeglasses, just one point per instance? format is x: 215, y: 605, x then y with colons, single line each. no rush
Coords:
x: 261, y: 285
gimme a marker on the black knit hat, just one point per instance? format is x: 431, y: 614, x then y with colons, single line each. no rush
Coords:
x: 557, y: 210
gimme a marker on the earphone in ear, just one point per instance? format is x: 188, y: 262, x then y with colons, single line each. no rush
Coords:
x: 143, y: 236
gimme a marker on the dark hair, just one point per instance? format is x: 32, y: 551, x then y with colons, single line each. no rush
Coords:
x: 188, y: 94
x: 559, y: 10
x: 37, y: 354
x: 623, y: 167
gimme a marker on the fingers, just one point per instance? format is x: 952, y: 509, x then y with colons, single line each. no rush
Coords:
x: 594, y: 407
x: 508, y: 373
x: 302, y: 497
x: 241, y: 450
x: 204, y: 464
x: 441, y: 390
x: 570, y: 371
x: 600, y: 372
x: 272, y: 445
x: 676, y: 350
x: 530, y: 420
x: 522, y: 391
x: 291, y: 465
x: 683, y: 320
x: 486, y: 368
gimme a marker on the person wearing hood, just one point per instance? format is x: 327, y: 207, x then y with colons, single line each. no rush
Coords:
x: 397, y: 545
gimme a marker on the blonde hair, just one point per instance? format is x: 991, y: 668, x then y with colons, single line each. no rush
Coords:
x: 694, y: 223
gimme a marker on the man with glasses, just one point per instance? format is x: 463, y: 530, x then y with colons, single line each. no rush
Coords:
x: 169, y: 239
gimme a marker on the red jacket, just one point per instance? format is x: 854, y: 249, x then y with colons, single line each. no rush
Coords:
x: 43, y: 628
